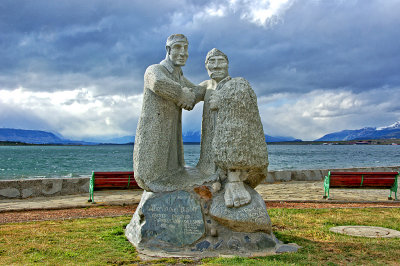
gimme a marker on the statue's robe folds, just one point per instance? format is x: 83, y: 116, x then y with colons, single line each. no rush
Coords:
x: 239, y: 141
x: 158, y: 150
x: 206, y: 161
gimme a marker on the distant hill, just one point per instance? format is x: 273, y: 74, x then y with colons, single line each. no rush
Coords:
x: 117, y: 140
x: 191, y: 136
x: 195, y: 136
x: 389, y: 132
x: 36, y: 137
x: 188, y: 137
x: 280, y: 139
x: 44, y: 137
x: 29, y: 136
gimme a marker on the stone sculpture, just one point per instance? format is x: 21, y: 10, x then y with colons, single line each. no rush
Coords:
x: 212, y: 209
x: 233, y: 142
x: 158, y: 141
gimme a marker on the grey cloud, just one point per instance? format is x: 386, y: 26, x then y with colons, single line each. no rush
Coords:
x: 106, y: 46
x: 19, y: 117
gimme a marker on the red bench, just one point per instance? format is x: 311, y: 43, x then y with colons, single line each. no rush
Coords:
x: 111, y: 180
x: 364, y: 180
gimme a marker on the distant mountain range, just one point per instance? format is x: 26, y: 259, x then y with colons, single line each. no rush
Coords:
x: 195, y: 136
x: 389, y: 132
x: 117, y: 140
x: 188, y: 137
x: 280, y: 139
x: 44, y: 137
x: 36, y: 137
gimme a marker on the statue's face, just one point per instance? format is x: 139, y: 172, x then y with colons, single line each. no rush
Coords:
x: 178, y: 53
x: 217, y: 67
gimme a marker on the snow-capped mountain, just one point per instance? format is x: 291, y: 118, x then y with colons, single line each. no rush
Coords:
x: 392, y: 126
x: 388, y: 132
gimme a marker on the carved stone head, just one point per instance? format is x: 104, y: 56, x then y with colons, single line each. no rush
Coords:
x: 217, y: 64
x: 177, y: 49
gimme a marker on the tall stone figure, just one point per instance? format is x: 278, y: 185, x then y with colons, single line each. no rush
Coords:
x: 158, y: 150
x: 232, y: 141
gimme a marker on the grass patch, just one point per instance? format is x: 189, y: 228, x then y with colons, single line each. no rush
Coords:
x: 102, y: 241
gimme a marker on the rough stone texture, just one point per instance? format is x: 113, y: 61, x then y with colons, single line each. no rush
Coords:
x: 292, y: 247
x: 187, y: 177
x: 52, y: 186
x: 9, y: 192
x: 206, y: 161
x: 366, y: 231
x: 239, y: 141
x: 283, y: 176
x: 249, y: 218
x: 179, y: 224
x: 42, y: 187
x: 166, y: 220
x: 26, y: 193
x: 306, y: 175
x: 158, y: 151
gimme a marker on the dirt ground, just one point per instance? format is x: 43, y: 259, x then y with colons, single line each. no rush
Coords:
x: 110, y: 211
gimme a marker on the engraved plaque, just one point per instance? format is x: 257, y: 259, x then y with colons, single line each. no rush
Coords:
x: 173, y: 217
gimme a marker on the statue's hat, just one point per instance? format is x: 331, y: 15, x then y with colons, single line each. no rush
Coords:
x: 176, y: 38
x: 215, y: 52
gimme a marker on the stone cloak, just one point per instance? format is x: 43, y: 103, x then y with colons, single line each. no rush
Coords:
x: 239, y: 141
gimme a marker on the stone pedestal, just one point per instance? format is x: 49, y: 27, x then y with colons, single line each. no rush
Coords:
x: 195, y: 222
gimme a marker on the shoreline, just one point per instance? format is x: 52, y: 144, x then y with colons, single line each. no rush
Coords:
x: 305, y: 142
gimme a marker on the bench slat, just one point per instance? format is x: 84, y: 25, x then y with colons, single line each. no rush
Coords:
x: 112, y: 180
x: 363, y: 180
x: 367, y: 181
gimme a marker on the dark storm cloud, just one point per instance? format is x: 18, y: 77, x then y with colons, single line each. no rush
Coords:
x: 315, y: 44
x: 327, y: 45
x: 304, y: 47
x: 96, y: 39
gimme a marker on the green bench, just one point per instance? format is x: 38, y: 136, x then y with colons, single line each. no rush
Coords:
x: 111, y: 180
x: 362, y: 180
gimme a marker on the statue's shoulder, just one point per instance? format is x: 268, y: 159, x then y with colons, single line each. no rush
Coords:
x: 204, y: 83
x: 155, y: 68
x: 208, y: 84
x: 239, y: 83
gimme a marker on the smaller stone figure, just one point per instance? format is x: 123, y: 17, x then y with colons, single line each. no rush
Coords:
x: 239, y: 151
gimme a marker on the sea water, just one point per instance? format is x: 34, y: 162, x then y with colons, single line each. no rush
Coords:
x: 79, y: 161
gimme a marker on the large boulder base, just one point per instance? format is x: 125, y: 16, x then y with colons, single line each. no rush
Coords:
x: 252, y: 217
x: 179, y: 224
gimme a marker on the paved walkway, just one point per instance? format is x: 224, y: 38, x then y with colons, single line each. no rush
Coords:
x: 286, y: 191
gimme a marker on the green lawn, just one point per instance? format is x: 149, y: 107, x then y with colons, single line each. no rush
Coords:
x: 102, y: 241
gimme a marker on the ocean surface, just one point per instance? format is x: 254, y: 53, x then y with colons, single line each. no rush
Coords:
x: 79, y: 161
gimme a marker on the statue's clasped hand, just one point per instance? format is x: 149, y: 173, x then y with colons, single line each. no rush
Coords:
x: 187, y: 99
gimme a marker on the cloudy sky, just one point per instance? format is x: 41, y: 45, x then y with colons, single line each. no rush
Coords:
x: 317, y: 66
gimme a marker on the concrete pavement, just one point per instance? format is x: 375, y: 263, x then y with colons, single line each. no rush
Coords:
x: 302, y: 191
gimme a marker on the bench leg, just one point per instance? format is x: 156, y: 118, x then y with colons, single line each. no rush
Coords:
x: 394, y: 189
x: 91, y: 196
x: 390, y: 195
x: 91, y: 188
x: 326, y: 187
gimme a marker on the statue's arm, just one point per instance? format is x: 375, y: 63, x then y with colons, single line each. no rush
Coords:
x: 198, y: 90
x: 160, y: 84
